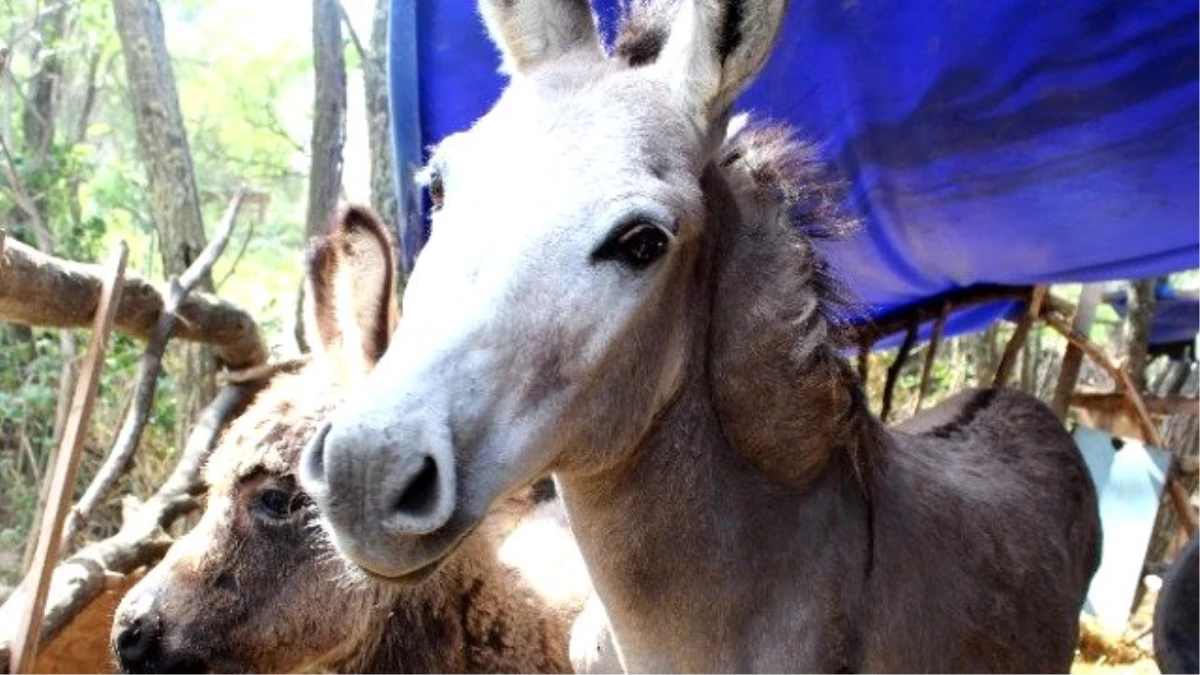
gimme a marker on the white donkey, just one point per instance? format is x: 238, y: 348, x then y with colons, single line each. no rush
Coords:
x: 616, y: 293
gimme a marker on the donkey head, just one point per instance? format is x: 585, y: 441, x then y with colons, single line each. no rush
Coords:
x: 252, y: 588
x: 549, y: 318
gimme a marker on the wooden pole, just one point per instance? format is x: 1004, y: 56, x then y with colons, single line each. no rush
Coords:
x: 1068, y: 373
x: 29, y: 630
x: 893, y: 372
x: 1114, y: 402
x: 1134, y: 398
x: 935, y: 339
x: 864, y: 362
x: 1032, y: 311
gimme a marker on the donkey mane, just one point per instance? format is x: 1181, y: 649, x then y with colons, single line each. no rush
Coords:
x: 766, y: 162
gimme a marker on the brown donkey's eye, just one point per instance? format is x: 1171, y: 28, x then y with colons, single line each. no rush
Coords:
x: 437, y: 190
x: 636, y: 245
x: 278, y: 504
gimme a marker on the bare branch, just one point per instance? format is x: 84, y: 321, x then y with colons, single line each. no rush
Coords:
x: 41, y: 290
x: 200, y: 266
x: 237, y: 258
x: 358, y: 45
x: 149, y: 368
x: 262, y: 372
x: 21, y: 196
x: 1117, y: 402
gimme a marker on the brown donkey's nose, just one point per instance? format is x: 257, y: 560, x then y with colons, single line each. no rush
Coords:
x: 139, y: 648
x: 137, y: 643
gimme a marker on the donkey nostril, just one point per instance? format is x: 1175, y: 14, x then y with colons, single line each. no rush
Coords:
x: 419, y: 497
x: 313, y: 459
x: 136, y: 642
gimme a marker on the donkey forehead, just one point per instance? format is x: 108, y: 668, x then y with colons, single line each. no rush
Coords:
x: 594, y: 122
x: 270, y: 434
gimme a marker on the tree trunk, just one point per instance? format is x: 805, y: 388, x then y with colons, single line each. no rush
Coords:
x: 329, y: 116
x: 174, y: 199
x: 1141, y: 318
x: 328, y: 130
x: 38, y: 122
x: 379, y: 132
x: 1181, y: 436
x: 1068, y: 373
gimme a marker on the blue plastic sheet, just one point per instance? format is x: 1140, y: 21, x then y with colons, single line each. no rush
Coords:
x: 1002, y: 141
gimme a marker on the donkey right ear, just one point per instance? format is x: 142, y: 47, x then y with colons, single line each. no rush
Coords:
x: 532, y: 32
x: 714, y: 50
x: 350, y: 305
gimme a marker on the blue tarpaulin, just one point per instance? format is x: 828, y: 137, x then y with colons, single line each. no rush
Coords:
x: 1175, y: 315
x: 985, y: 141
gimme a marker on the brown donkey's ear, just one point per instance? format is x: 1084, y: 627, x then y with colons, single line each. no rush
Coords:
x: 350, y: 305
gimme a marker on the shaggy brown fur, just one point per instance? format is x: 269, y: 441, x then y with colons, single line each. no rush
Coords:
x: 255, y: 588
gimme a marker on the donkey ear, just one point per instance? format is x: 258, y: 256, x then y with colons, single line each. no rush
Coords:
x: 715, y: 48
x: 532, y: 32
x: 350, y: 299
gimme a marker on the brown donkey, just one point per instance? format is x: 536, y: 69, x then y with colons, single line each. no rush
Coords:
x: 254, y: 588
x: 618, y: 292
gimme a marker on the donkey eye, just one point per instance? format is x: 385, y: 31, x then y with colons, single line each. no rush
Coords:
x: 637, y: 245
x: 278, y: 504
x: 437, y: 189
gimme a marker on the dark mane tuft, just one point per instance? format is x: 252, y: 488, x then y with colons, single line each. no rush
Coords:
x: 789, y: 171
x: 644, y: 27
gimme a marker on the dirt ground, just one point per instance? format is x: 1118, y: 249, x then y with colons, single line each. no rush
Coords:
x: 1102, y: 651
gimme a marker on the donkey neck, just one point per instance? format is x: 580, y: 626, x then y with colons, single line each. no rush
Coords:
x: 744, y: 510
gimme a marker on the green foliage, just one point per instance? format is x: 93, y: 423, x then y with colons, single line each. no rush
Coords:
x: 246, y: 97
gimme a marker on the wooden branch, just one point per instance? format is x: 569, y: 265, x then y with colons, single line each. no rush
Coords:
x: 24, y: 201
x: 934, y: 340
x: 864, y: 362
x: 1182, y: 505
x: 262, y: 372
x: 149, y: 368
x: 42, y: 290
x: 142, y: 539
x: 358, y: 45
x: 893, y: 371
x: 208, y: 257
x: 1068, y: 372
x: 1009, y: 359
x: 1188, y: 466
x: 930, y: 308
x: 25, y: 644
x: 1134, y: 399
x: 1117, y: 402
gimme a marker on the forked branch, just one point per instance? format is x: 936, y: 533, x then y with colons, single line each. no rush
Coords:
x: 149, y: 368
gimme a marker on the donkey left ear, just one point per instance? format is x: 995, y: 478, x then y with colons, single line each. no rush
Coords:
x: 714, y: 50
x: 350, y: 306
x: 532, y: 32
